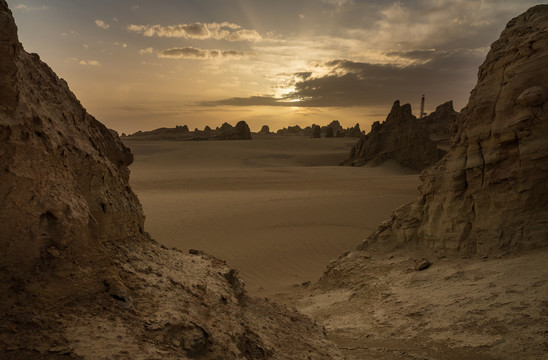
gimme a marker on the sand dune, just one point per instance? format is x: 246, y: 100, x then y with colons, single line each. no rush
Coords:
x: 278, y: 208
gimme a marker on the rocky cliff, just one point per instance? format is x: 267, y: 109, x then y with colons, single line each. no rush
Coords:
x: 80, y: 278
x: 489, y: 195
x: 401, y: 137
x: 461, y: 272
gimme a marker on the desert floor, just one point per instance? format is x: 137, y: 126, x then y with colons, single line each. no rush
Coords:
x: 278, y: 209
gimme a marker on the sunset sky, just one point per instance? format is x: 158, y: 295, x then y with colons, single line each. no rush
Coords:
x: 143, y: 64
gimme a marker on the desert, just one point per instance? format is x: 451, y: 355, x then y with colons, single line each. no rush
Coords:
x: 156, y: 247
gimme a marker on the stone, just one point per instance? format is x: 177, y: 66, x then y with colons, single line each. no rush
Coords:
x: 75, y: 254
x: 401, y: 137
x: 489, y: 194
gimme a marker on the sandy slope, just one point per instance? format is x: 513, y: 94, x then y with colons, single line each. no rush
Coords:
x: 278, y: 208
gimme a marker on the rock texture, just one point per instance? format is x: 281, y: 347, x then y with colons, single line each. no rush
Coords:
x: 482, y: 221
x: 489, y: 195
x: 401, y: 137
x: 440, y: 124
x: 80, y: 278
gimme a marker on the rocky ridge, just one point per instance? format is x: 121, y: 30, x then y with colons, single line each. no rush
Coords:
x: 181, y: 133
x: 80, y: 278
x: 486, y: 199
x: 401, y: 137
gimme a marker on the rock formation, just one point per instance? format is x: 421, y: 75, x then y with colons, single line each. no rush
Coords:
x: 80, y: 278
x: 316, y: 131
x: 265, y: 130
x: 401, y: 137
x: 489, y: 195
x: 439, y: 125
x: 181, y: 133
x: 486, y: 199
x: 335, y: 128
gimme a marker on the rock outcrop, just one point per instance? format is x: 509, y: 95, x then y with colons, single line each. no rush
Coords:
x: 440, y: 123
x: 489, y: 195
x: 481, y: 220
x: 401, y: 137
x: 80, y: 278
x: 265, y: 130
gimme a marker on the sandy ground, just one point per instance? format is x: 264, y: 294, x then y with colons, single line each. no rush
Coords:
x: 495, y: 308
x: 277, y: 208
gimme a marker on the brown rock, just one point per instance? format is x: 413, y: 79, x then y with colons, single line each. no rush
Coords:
x: 401, y: 137
x: 79, y: 275
x: 489, y: 194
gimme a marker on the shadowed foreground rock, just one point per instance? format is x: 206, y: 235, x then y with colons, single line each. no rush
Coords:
x: 79, y: 276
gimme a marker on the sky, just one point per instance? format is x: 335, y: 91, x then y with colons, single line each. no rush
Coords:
x: 144, y: 64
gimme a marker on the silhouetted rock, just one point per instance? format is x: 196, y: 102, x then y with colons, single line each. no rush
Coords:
x: 265, y: 130
x: 181, y: 133
x: 336, y: 129
x: 80, y: 278
x: 401, y: 137
x: 316, y: 132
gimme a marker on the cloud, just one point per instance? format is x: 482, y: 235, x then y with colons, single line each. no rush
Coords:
x: 146, y: 51
x: 199, y: 31
x: 337, y: 3
x: 25, y: 7
x: 194, y: 53
x: 346, y: 83
x: 102, y: 24
x: 84, y: 62
x: 89, y: 62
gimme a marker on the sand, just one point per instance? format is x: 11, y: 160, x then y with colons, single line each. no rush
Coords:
x: 278, y: 209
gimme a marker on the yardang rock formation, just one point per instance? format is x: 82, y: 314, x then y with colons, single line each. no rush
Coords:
x: 481, y: 223
x: 79, y: 276
x: 489, y: 194
x: 411, y: 142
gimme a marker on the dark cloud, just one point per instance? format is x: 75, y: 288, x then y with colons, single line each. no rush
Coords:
x: 350, y: 83
x: 249, y: 101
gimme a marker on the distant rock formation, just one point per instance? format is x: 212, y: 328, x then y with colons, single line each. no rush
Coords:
x: 239, y: 132
x: 182, y: 133
x: 334, y: 129
x: 265, y: 130
x: 489, y: 195
x: 316, y: 131
x: 80, y: 278
x: 401, y: 137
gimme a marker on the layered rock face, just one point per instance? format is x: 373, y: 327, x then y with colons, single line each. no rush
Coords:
x: 489, y: 194
x: 79, y: 276
x: 401, y: 137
